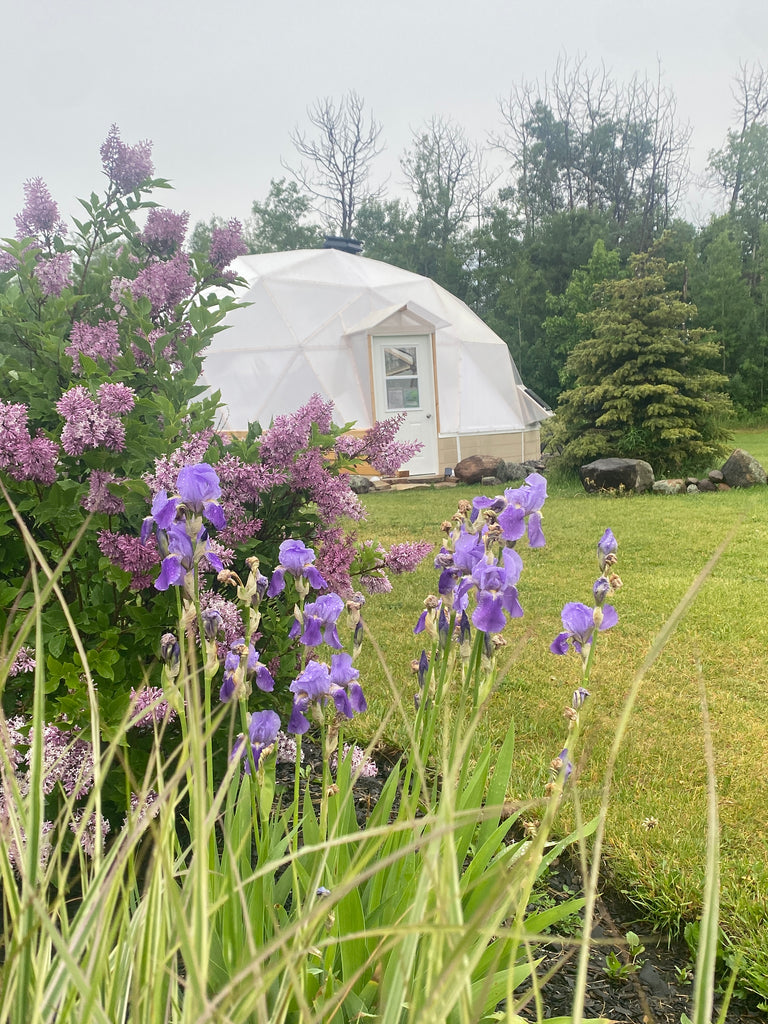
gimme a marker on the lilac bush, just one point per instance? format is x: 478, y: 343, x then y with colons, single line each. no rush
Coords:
x: 104, y: 325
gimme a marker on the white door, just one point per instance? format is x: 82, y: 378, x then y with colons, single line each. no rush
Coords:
x: 404, y: 382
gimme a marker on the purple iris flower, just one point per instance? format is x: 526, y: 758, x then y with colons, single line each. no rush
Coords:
x: 163, y: 514
x: 262, y: 734
x: 579, y: 623
x: 531, y: 496
x: 313, y: 684
x: 601, y: 590
x: 606, y: 546
x: 320, y: 618
x: 468, y: 551
x: 481, y: 503
x: 317, y: 684
x: 253, y: 669
x: 567, y: 768
x: 344, y: 677
x: 179, y: 559
x: 198, y: 487
x: 496, y: 594
x: 535, y: 532
x: 512, y: 522
x: 180, y: 554
x: 296, y: 559
x: 524, y: 503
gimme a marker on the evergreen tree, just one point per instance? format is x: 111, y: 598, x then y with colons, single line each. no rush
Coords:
x: 643, y: 383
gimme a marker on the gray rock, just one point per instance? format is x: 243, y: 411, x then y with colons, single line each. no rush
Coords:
x: 692, y: 489
x: 668, y: 487
x: 490, y: 481
x: 617, y: 475
x: 716, y: 476
x: 707, y: 485
x: 743, y: 470
x: 359, y: 484
x: 472, y: 469
x: 509, y: 471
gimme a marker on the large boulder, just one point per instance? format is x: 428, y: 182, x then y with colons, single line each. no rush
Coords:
x: 360, y: 484
x: 511, y: 471
x: 472, y: 469
x: 743, y: 470
x: 617, y: 475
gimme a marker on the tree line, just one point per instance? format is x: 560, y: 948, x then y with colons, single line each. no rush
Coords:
x: 593, y: 174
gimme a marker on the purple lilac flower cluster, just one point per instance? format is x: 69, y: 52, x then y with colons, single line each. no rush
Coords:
x: 362, y: 767
x: 149, y: 708
x: 132, y: 555
x: 53, y: 273
x: 99, y: 498
x: 39, y: 217
x: 165, y: 283
x: 99, y: 341
x: 22, y: 456
x: 164, y: 231
x: 23, y: 662
x: 39, y: 220
x: 94, y: 424
x: 16, y: 855
x: 289, y: 434
x: 126, y: 167
x: 67, y: 759
x: 87, y: 832
x: 379, y: 447
x: 227, y: 243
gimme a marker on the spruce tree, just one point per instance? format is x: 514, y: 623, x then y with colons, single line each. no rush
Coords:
x: 644, y: 386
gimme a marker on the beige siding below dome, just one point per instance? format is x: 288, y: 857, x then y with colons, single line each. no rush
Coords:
x: 524, y: 446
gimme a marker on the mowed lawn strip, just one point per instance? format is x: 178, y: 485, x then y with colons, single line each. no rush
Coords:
x: 660, y: 781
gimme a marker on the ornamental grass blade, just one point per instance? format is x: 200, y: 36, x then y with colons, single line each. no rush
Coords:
x: 706, y: 955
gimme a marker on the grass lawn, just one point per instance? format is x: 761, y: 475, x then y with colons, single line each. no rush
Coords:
x: 663, y: 544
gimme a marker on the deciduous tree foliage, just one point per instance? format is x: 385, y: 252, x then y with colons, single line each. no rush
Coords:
x: 643, y: 383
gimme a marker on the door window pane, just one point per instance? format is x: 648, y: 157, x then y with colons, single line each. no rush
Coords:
x: 401, y: 372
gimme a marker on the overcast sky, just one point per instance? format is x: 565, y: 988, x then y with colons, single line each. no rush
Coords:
x: 219, y: 85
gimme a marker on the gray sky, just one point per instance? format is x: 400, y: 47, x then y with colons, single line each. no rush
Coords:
x: 218, y: 86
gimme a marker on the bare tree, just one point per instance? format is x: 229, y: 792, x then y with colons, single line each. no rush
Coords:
x: 445, y: 173
x: 750, y: 92
x: 339, y: 152
x: 582, y: 141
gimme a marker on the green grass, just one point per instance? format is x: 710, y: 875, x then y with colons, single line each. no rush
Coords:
x: 755, y: 442
x: 663, y: 544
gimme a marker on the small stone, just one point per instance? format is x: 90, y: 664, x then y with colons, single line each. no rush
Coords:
x: 668, y: 487
x: 706, y: 485
x: 716, y: 476
x: 692, y: 489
